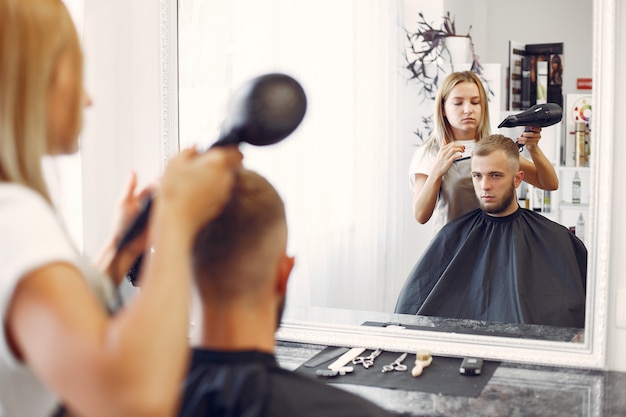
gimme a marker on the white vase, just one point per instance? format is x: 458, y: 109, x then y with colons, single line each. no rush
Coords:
x: 459, y: 49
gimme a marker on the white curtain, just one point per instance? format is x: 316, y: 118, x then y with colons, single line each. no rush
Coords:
x: 342, y: 173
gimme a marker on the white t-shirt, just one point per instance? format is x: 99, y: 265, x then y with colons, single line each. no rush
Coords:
x: 31, y: 235
x: 456, y: 195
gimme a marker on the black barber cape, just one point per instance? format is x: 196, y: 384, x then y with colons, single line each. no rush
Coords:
x: 522, y: 268
x: 252, y: 384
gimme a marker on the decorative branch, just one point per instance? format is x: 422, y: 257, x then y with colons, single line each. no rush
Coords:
x: 426, y: 59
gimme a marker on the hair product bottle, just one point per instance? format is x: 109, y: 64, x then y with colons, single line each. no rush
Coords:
x: 580, y: 135
x: 547, y: 201
x: 580, y: 227
x: 576, y: 189
x: 537, y: 199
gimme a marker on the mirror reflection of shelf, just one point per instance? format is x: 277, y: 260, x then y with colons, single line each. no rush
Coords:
x: 571, y: 213
x: 572, y: 169
x: 562, y: 209
x: 573, y: 206
x: 565, y: 190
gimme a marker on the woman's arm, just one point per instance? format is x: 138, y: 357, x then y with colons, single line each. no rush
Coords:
x: 426, y: 188
x: 540, y: 172
x: 130, y: 364
x: 425, y: 196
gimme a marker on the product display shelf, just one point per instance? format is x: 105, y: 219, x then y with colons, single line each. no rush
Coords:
x: 560, y: 206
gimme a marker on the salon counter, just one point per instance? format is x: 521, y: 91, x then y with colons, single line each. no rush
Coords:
x: 514, y: 390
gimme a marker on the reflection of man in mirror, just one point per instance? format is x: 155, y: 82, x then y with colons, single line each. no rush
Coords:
x: 241, y: 270
x: 500, y: 262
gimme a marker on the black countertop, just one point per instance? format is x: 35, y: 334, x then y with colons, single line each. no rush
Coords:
x: 514, y: 390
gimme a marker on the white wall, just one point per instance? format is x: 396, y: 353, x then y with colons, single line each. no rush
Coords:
x: 122, y: 129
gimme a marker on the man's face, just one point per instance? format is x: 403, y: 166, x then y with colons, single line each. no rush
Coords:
x: 494, y: 183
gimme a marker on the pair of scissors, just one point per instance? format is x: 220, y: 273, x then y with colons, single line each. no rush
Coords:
x: 367, y: 361
x: 396, y: 365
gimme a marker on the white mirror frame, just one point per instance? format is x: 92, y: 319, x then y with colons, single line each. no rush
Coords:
x: 591, y: 353
x: 169, y: 79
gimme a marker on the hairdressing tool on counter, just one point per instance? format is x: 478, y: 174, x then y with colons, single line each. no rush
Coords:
x: 471, y: 366
x: 322, y: 357
x: 396, y: 365
x: 345, y: 359
x: 367, y: 361
x: 263, y: 111
x: 329, y: 373
x: 539, y: 115
x: 423, y: 359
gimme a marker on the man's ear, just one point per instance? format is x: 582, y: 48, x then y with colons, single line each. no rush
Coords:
x: 518, y: 178
x: 285, y: 265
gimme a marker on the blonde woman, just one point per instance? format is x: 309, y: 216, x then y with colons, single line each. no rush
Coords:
x: 60, y: 344
x: 439, y: 171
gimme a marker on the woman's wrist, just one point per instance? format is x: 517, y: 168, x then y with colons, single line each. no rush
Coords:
x: 168, y: 225
x: 533, y: 150
x: 106, y: 261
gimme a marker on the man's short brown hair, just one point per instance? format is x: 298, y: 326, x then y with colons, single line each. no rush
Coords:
x: 487, y: 145
x: 225, y: 244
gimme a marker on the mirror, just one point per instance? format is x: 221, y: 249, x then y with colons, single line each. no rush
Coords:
x: 329, y: 196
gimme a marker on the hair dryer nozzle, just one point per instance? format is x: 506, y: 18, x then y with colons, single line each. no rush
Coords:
x: 539, y: 115
x: 263, y: 111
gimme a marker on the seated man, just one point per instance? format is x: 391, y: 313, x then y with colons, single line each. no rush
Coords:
x: 500, y: 262
x: 241, y: 270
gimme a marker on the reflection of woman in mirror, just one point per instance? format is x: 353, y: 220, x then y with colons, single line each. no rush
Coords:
x: 556, y: 70
x: 439, y: 172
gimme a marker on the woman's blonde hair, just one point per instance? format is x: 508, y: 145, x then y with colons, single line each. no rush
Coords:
x: 34, y: 34
x: 442, y: 128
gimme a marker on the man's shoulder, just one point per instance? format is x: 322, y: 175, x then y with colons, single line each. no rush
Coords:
x: 537, y: 216
x: 555, y: 229
x: 244, y: 381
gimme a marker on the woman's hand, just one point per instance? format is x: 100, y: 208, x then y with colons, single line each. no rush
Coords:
x: 530, y: 138
x: 128, y: 206
x: 448, y: 153
x: 196, y: 186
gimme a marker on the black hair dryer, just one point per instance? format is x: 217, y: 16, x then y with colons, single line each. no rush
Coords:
x: 263, y: 111
x: 540, y: 115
